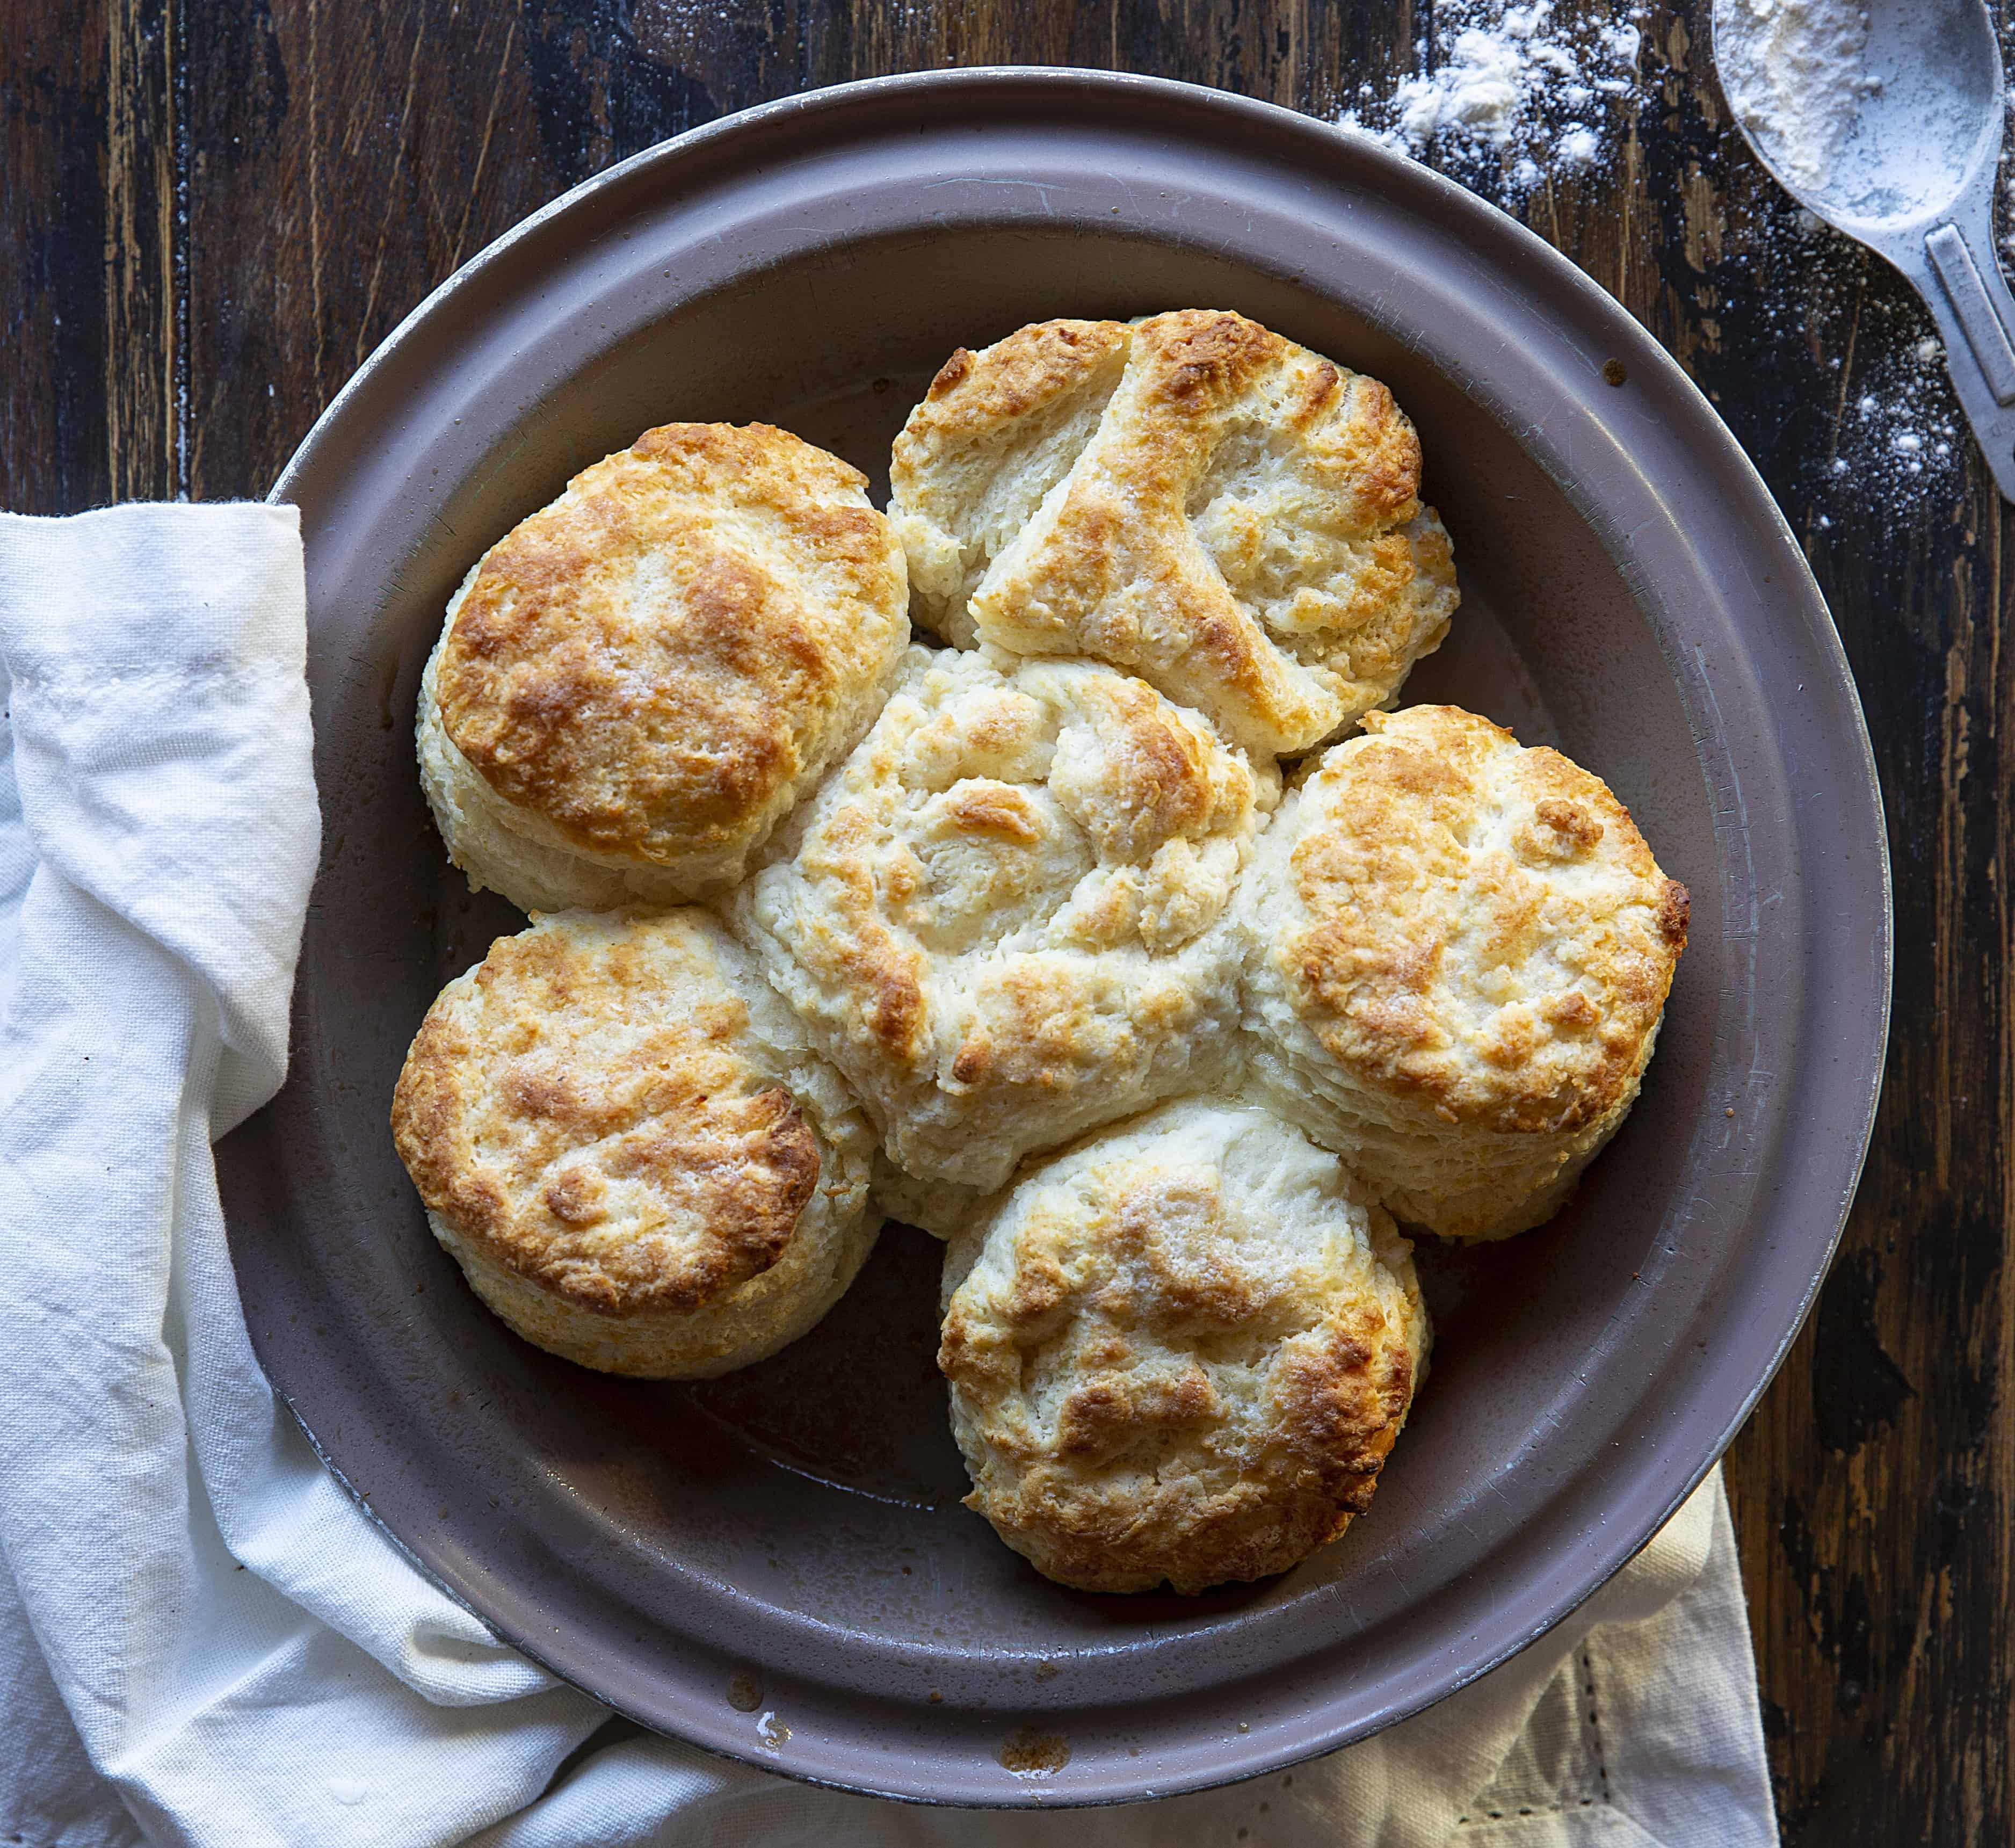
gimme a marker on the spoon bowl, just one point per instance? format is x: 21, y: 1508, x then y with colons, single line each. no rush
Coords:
x: 1885, y: 119
x: 1929, y: 127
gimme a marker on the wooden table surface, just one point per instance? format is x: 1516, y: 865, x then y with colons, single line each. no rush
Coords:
x: 210, y: 214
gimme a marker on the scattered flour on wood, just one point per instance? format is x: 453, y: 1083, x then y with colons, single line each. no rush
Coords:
x: 1901, y: 429
x: 1797, y: 73
x: 1506, y: 94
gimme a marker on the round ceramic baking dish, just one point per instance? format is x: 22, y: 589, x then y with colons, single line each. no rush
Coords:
x: 775, y: 1565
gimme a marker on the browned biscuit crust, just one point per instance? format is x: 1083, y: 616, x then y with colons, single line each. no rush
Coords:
x: 570, y: 1118
x: 1179, y: 1352
x: 1458, y: 954
x: 1027, y: 374
x: 1190, y: 496
x: 999, y: 918
x: 656, y: 663
x: 1411, y: 909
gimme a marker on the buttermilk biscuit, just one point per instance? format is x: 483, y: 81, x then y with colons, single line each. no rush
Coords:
x: 1180, y: 1351
x: 1458, y: 953
x: 634, y: 686
x: 619, y: 1133
x: 999, y: 917
x: 1228, y: 515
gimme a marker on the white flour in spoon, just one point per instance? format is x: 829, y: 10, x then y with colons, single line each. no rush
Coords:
x: 1791, y: 70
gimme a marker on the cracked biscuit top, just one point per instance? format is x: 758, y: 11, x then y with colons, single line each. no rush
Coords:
x: 1180, y: 1350
x: 1190, y: 496
x: 1002, y: 917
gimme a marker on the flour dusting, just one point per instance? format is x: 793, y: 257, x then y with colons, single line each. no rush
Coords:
x: 1509, y: 95
x: 1901, y: 433
x: 1515, y: 88
x: 1793, y: 70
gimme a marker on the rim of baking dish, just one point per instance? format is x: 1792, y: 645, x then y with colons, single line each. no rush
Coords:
x: 1542, y: 1598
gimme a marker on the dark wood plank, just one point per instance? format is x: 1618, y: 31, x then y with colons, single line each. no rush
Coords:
x: 1872, y: 1488
x: 145, y: 253
x: 91, y: 194
x: 52, y: 128
x: 345, y: 159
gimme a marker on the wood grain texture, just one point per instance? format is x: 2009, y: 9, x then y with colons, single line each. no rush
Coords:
x: 145, y: 253
x: 215, y: 213
x: 53, y: 137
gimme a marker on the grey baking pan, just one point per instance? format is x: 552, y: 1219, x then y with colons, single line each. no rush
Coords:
x: 775, y: 1566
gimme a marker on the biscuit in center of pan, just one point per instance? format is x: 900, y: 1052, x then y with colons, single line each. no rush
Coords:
x: 1002, y: 917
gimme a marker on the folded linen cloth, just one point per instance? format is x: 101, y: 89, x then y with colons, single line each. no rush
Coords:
x: 203, y: 1639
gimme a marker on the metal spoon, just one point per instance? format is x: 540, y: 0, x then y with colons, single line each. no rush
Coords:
x: 1904, y: 160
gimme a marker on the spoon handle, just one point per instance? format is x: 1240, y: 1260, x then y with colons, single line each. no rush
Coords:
x: 1987, y: 323
x: 1954, y: 271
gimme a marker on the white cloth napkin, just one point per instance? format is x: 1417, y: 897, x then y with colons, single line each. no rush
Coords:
x: 203, y: 1639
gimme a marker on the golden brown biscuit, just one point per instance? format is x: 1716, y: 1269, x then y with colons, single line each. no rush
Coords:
x: 1002, y: 917
x: 1190, y: 496
x: 619, y: 1132
x: 1180, y: 1351
x: 635, y: 684
x: 1459, y: 951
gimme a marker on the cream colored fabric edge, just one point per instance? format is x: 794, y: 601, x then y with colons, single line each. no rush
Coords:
x: 1667, y: 1637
